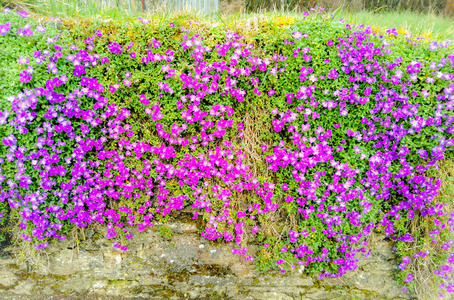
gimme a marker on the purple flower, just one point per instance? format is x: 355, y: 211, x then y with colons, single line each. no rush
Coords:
x: 115, y: 48
x: 405, y: 262
x: 409, y: 278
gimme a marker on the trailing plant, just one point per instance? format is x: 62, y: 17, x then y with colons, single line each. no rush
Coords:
x: 303, y: 138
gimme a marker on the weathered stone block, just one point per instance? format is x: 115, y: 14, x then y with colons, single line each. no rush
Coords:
x: 188, y: 267
x: 90, y: 260
x: 8, y: 279
x: 63, y: 262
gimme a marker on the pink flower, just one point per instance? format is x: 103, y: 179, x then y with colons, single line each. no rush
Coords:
x: 297, y: 35
x: 144, y: 100
x: 40, y: 28
x: 22, y: 60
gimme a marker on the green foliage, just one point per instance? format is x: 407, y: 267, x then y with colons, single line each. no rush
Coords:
x: 165, y: 232
x: 4, y: 211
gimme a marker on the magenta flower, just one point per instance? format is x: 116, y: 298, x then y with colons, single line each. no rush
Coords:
x: 4, y: 28
x: 22, y: 13
x: 24, y: 77
x: 288, y: 199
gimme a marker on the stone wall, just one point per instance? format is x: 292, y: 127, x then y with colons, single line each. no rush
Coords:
x: 182, y: 267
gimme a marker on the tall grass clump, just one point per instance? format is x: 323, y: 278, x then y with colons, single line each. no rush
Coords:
x: 429, y: 25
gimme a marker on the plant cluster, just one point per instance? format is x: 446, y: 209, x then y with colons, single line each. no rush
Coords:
x: 126, y: 124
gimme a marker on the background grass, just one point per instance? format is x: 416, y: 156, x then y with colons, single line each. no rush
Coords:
x: 439, y: 26
x: 429, y: 24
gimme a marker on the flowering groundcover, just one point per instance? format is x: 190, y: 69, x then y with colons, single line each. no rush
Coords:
x: 303, y: 139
